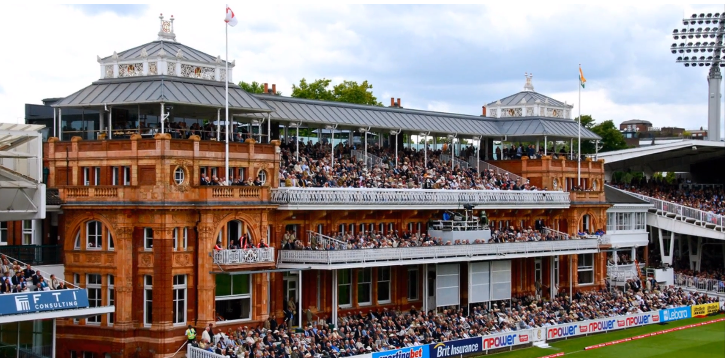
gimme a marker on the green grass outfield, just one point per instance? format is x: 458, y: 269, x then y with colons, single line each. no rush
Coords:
x: 704, y: 341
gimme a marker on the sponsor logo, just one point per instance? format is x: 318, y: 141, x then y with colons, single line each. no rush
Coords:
x: 601, y: 326
x: 404, y: 353
x: 523, y: 338
x: 583, y: 329
x: 674, y: 314
x: 456, y: 348
x: 655, y: 318
x: 22, y: 303
x: 705, y: 309
x: 637, y: 320
x: 621, y: 323
x: 561, y: 332
x: 497, y: 342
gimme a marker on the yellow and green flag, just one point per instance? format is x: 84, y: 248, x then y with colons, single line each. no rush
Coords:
x: 582, y: 80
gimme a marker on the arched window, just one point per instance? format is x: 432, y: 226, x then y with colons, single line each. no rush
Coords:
x: 95, y: 235
x: 263, y: 176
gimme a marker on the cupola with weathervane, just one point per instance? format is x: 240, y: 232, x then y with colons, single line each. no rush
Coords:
x: 167, y: 57
x: 528, y: 103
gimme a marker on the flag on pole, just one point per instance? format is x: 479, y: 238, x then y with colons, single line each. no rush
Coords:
x: 582, y: 80
x: 230, y: 19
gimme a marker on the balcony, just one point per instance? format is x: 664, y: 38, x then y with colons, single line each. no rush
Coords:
x: 34, y: 254
x: 431, y: 254
x: 132, y: 195
x: 381, y: 199
x: 244, y: 256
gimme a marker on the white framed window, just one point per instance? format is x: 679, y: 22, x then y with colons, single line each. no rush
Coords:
x: 585, y: 269
x: 3, y: 232
x: 181, y: 237
x: 371, y: 227
x: 413, y: 284
x: 419, y: 227
x: 28, y: 230
x: 383, y: 285
x: 213, y: 172
x: 179, y: 298
x: 94, y: 235
x: 93, y: 288
x: 241, y: 173
x: 115, y: 175
x: 263, y: 176
x: 179, y: 175
x: 556, y: 271
x: 381, y: 228
x: 362, y: 228
x: 640, y: 221
x: 86, y: 176
x: 410, y: 227
x: 77, y: 284
x: 97, y: 176
x: 351, y: 227
x: 111, y: 298
x: 109, y: 239
x: 611, y: 222
x: 202, y: 171
x: 148, y: 238
x: 344, y: 288
x: 126, y: 176
x: 176, y: 238
x: 365, y: 286
x: 234, y: 297
x: 391, y: 228
x: 537, y: 270
x: 77, y: 242
x: 148, y: 297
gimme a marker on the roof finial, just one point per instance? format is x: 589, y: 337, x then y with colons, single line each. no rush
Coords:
x: 528, y: 86
x: 166, y: 29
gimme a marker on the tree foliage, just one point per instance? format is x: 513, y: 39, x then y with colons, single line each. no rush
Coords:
x: 254, y: 87
x: 347, y: 91
x: 612, y: 138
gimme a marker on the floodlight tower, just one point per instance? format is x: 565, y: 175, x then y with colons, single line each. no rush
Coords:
x: 703, y: 36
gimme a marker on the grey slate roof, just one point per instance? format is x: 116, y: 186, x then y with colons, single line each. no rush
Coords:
x: 615, y: 196
x: 355, y: 115
x: 554, y: 128
x: 171, y: 48
x: 637, y: 121
x: 530, y: 97
x: 167, y: 89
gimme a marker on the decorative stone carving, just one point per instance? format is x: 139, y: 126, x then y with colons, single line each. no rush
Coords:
x: 115, y: 55
x: 205, y: 230
x: 93, y: 258
x: 130, y: 70
x: 182, y: 260
x: 179, y: 54
x: 123, y: 232
x: 153, y: 69
x: 144, y: 53
x: 146, y: 260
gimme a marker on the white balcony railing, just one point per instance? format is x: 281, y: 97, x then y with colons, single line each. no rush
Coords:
x: 437, y: 253
x: 684, y: 213
x: 243, y: 256
x: 700, y: 283
x: 423, y: 198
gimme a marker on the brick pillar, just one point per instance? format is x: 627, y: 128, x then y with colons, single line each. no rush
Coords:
x: 123, y: 284
x: 259, y: 299
x: 162, y: 277
x: 206, y: 283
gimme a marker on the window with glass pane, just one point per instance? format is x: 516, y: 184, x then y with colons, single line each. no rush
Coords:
x: 179, y: 298
x: 94, y: 235
x: 344, y: 287
x: 148, y: 238
x: 233, y: 297
x: 585, y: 269
x: 3, y: 233
x: 97, y: 176
x: 116, y: 175
x: 93, y: 287
x: 176, y: 238
x: 413, y: 283
x: 611, y: 221
x: 111, y: 247
x: 126, y: 175
x: 148, y: 296
x: 364, y: 286
x: 383, y: 284
x: 111, y: 297
x: 27, y: 232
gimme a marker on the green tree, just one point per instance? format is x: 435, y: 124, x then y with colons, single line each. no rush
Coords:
x: 347, y: 91
x: 254, y: 87
x: 612, y: 138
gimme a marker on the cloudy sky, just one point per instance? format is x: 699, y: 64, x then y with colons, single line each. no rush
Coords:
x: 443, y: 58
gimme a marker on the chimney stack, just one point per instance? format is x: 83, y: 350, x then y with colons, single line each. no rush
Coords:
x: 392, y: 101
x: 398, y: 104
x: 484, y: 111
x: 274, y: 88
x: 266, y: 88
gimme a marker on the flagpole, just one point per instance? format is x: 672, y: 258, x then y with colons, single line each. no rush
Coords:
x: 579, y: 141
x: 226, y: 101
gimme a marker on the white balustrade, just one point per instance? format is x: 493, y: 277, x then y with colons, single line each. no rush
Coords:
x: 433, y: 252
x: 325, y: 240
x: 700, y: 283
x: 683, y: 213
x: 422, y: 197
x: 194, y: 352
x: 243, y: 256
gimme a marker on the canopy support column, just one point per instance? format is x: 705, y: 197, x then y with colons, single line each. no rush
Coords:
x: 161, y: 118
x: 269, y: 128
x: 571, y: 149
x: 546, y: 144
x: 334, y: 296
x: 596, y: 149
x: 297, y: 142
x: 299, y: 299
x: 60, y: 123
x: 425, y: 288
x: 110, y: 123
x: 55, y: 134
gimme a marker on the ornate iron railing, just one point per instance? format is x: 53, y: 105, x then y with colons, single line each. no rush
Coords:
x: 243, y: 256
x: 421, y: 197
x: 684, y: 213
x: 433, y: 252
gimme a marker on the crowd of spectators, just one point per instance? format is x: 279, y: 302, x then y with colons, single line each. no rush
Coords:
x: 376, y: 240
x: 381, y: 330
x: 14, y: 278
x: 315, y: 168
x: 710, y: 199
x: 222, y: 181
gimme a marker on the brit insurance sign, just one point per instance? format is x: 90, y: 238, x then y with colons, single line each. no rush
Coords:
x: 40, y: 301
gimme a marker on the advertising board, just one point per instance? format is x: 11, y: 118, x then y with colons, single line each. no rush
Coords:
x: 508, y: 339
x: 674, y: 314
x: 40, y: 301
x: 601, y: 325
x: 456, y: 348
x: 408, y: 352
x: 705, y: 309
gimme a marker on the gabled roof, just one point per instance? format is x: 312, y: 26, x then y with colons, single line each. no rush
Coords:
x: 167, y: 89
x: 170, y: 48
x: 529, y: 97
x: 554, y: 128
x: 356, y: 115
